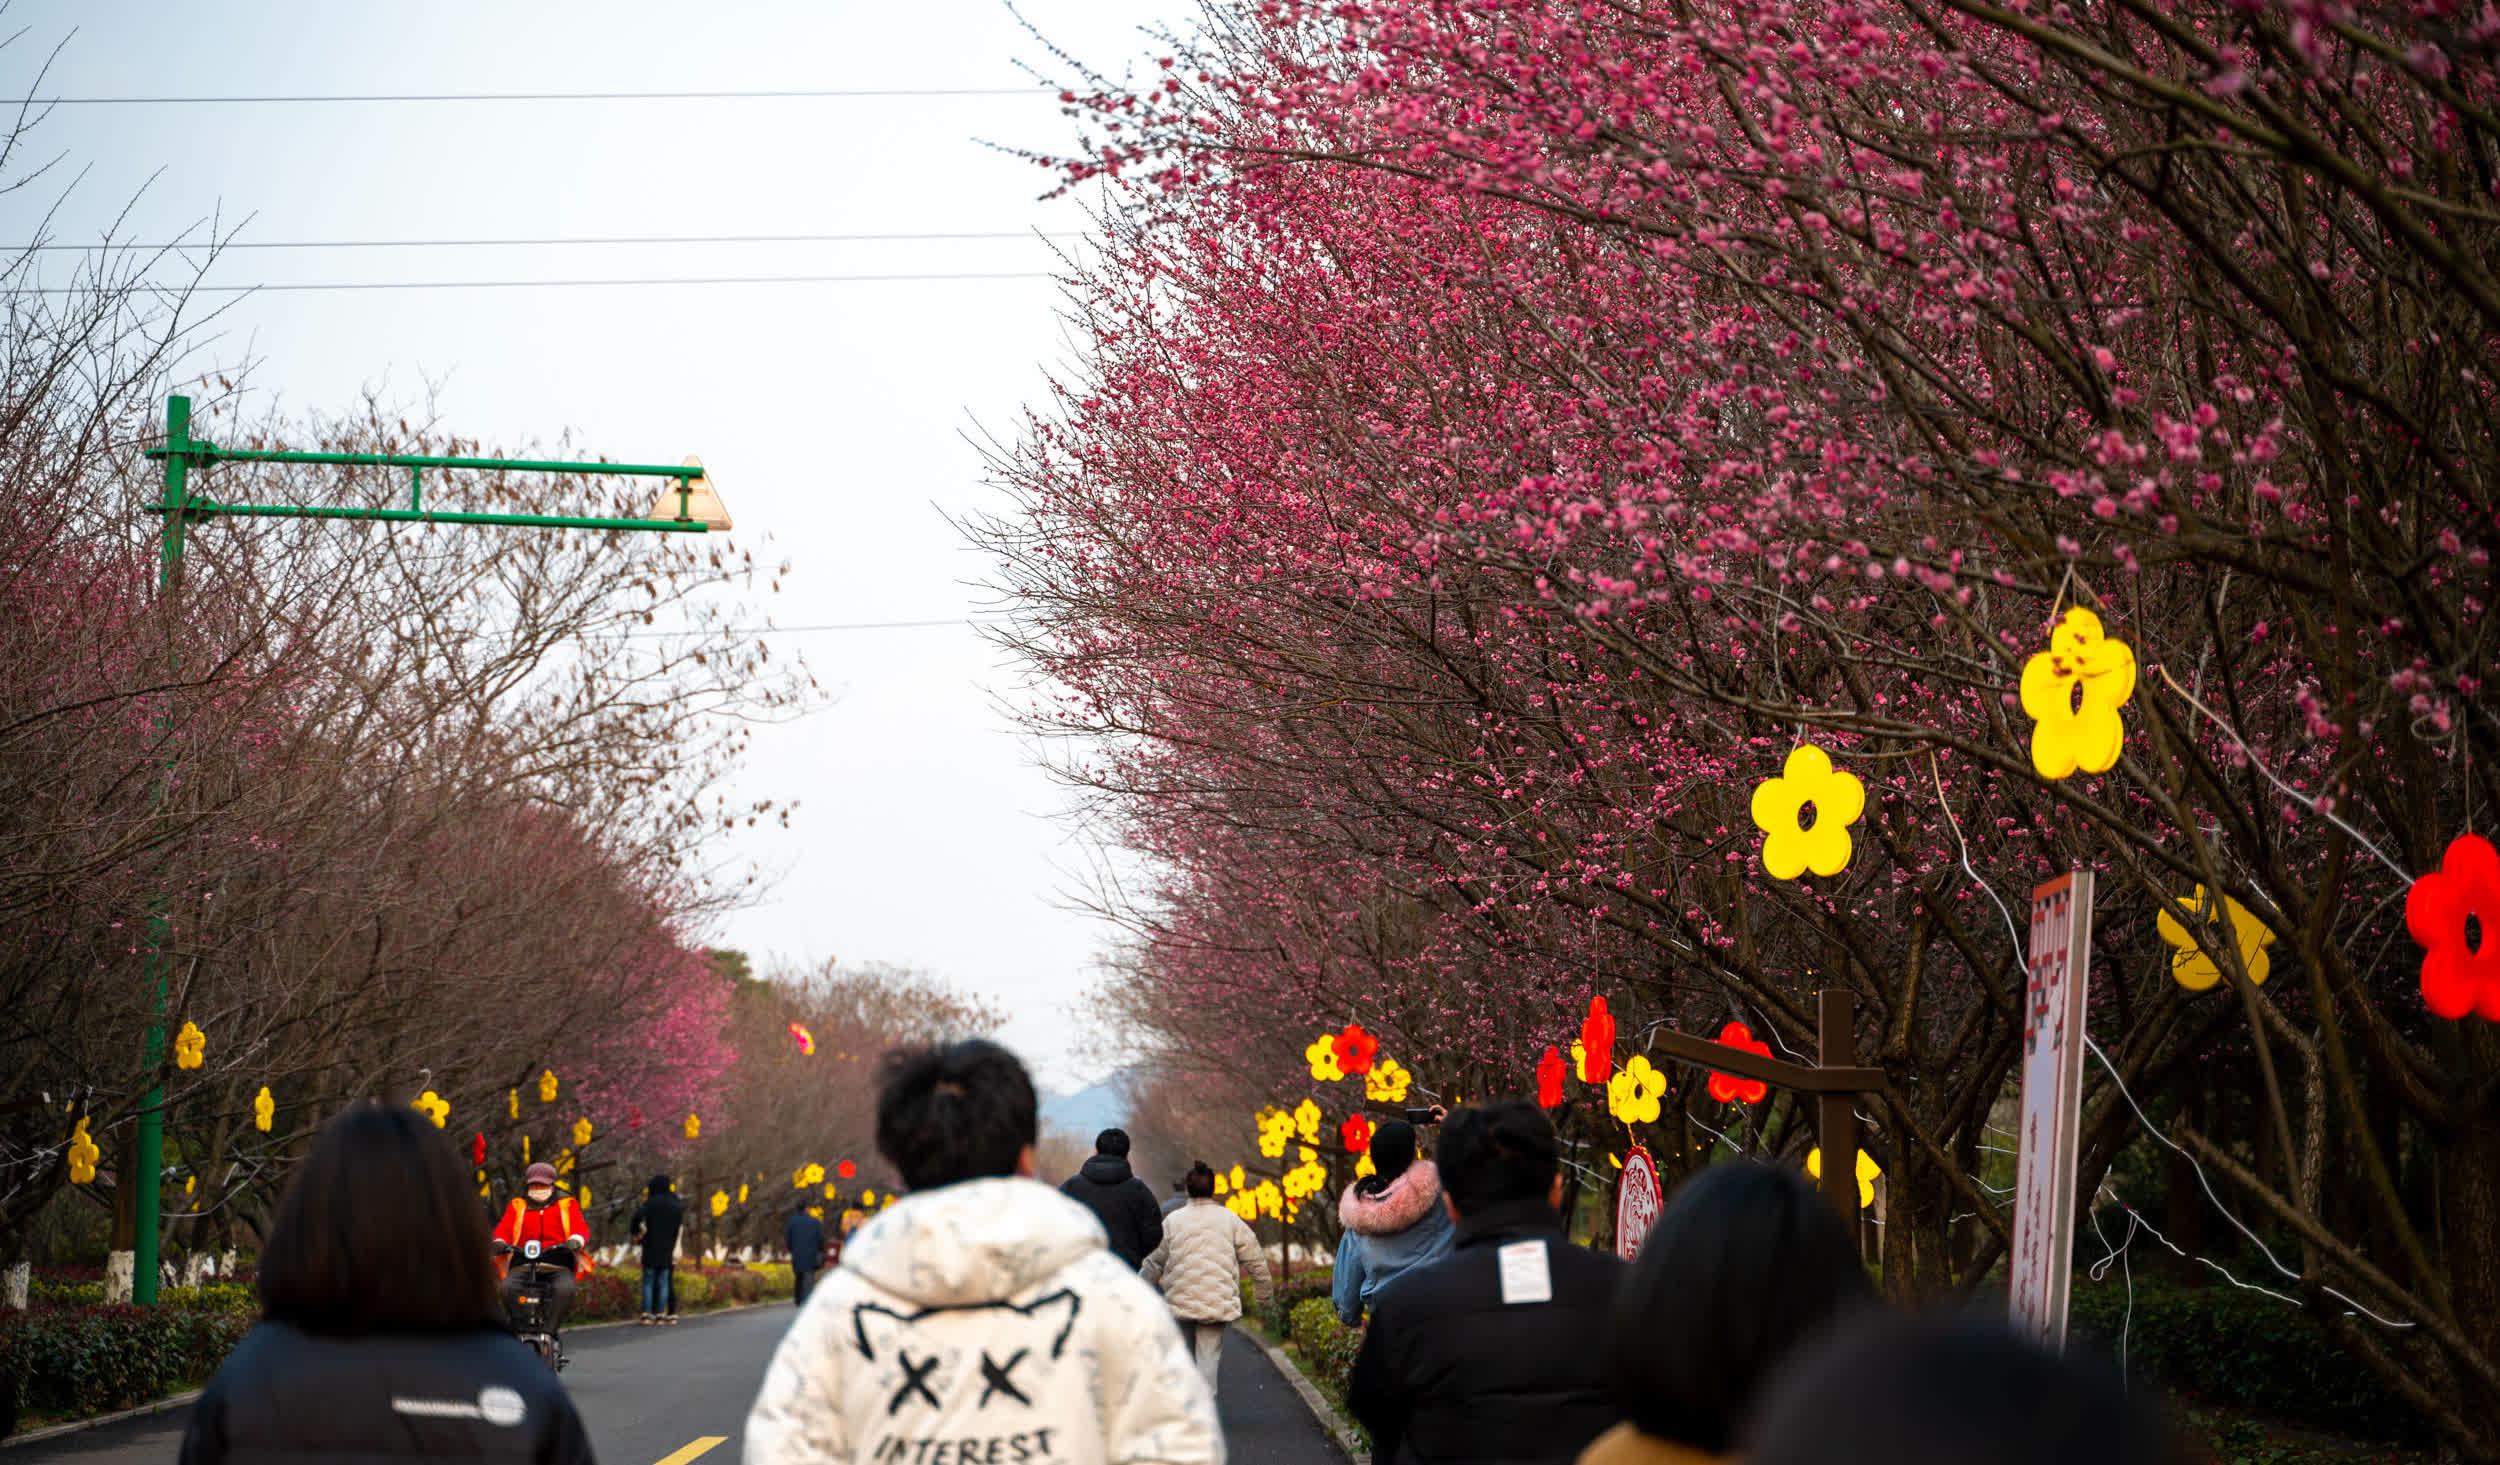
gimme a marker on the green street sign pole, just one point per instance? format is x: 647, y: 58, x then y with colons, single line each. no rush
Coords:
x: 180, y: 506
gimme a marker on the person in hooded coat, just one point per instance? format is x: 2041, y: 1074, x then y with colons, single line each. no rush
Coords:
x: 655, y: 1224
x: 1393, y: 1220
x: 1127, y: 1209
x: 979, y: 1320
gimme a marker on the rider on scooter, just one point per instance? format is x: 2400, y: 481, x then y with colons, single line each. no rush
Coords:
x: 542, y: 1214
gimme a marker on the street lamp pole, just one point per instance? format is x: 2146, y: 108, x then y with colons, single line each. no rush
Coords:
x: 696, y: 509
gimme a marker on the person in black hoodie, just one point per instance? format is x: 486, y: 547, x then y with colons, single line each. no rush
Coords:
x: 1490, y: 1353
x: 1106, y: 1186
x: 655, y: 1224
x: 380, y: 1335
x: 805, y: 1236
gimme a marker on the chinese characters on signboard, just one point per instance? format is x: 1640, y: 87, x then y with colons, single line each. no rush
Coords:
x: 1637, y: 1203
x: 2044, y: 1193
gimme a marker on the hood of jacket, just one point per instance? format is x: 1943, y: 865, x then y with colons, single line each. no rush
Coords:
x: 1408, y: 1199
x: 1106, y: 1170
x: 972, y: 1242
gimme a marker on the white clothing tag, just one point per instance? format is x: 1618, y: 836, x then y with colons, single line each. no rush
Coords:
x: 1525, y: 1275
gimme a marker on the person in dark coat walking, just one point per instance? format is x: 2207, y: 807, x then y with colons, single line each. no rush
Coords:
x: 806, y: 1236
x: 1127, y: 1209
x: 380, y: 1336
x: 1494, y: 1351
x: 655, y: 1224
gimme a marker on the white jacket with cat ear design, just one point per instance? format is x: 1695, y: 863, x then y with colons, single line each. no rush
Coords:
x: 984, y: 1323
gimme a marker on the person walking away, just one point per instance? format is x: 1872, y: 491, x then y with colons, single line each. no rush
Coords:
x: 380, y: 1337
x: 1177, y: 1199
x: 1393, y: 1220
x: 981, y: 1318
x: 544, y: 1214
x: 806, y: 1237
x: 1747, y: 1263
x: 1206, y: 1250
x: 655, y: 1225
x: 1486, y: 1354
x: 1107, y: 1186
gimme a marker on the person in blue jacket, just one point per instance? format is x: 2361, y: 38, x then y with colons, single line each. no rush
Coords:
x: 1393, y: 1220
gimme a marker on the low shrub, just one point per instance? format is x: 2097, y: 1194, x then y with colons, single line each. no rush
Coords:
x: 71, y: 1361
x: 612, y: 1294
x: 64, y: 1293
x: 1276, y: 1321
x: 2236, y: 1349
x: 1326, y: 1346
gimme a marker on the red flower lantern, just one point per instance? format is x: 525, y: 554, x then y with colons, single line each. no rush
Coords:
x: 633, y: 1116
x: 1597, y: 1043
x: 1727, y: 1088
x: 1357, y: 1134
x: 2460, y: 971
x: 846, y: 1170
x: 477, y: 1149
x: 1355, y: 1049
x: 1549, y: 1078
x: 805, y: 1039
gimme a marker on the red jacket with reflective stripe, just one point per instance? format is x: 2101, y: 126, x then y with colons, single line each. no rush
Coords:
x: 551, y: 1225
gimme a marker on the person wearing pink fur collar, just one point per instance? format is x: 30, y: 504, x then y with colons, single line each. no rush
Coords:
x: 1393, y: 1220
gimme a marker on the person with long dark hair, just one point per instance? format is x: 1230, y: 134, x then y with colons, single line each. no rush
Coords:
x: 1746, y: 1263
x: 1393, y: 1220
x: 380, y: 1334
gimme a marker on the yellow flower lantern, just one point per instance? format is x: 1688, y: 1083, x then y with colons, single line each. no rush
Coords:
x: 83, y: 1155
x: 190, y: 1046
x: 264, y: 1109
x: 1633, y: 1093
x: 720, y: 1203
x: 512, y: 1103
x: 1868, y: 1170
x: 1322, y: 1056
x: 1223, y: 1185
x: 2072, y: 693
x: 742, y: 1192
x: 1364, y: 1169
x: 564, y: 1162
x: 433, y: 1106
x: 547, y: 1086
x: 694, y: 1127
x: 525, y: 1149
x: 585, y: 1196
x: 1243, y: 1204
x: 1306, y: 1121
x: 581, y: 1132
x: 867, y: 1197
x: 2191, y: 966
x: 190, y: 1183
x: 1789, y: 848
x: 1276, y: 1129
x: 1271, y: 1200
x: 1387, y: 1083
x: 829, y: 1190
x: 1241, y: 1178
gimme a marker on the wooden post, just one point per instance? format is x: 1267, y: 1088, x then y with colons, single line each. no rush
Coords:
x: 1836, y: 1120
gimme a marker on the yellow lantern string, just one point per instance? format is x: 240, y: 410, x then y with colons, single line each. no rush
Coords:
x: 547, y: 1086
x: 190, y: 1046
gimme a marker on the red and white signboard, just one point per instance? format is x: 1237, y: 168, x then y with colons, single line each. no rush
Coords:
x: 1637, y: 1203
x: 2044, y: 1191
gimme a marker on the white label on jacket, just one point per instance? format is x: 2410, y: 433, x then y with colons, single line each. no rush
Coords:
x: 1525, y: 1275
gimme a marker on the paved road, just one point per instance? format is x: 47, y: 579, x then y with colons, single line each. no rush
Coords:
x: 673, y: 1396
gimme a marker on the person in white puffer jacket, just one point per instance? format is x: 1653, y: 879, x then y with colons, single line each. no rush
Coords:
x: 982, y: 1319
x: 1199, y: 1266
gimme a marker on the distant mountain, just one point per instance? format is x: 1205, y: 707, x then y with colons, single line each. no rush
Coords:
x: 1088, y: 1111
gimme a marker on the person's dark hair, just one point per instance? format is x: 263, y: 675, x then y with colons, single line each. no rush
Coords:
x: 379, y: 1232
x: 1951, y: 1390
x: 1112, y: 1142
x: 963, y: 1111
x: 1502, y: 1151
x: 1201, y: 1181
x: 660, y: 1185
x: 1746, y: 1263
x: 1393, y: 1154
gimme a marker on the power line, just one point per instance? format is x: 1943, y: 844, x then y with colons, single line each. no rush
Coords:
x: 832, y: 626
x: 587, y: 240
x: 550, y: 284
x: 709, y: 96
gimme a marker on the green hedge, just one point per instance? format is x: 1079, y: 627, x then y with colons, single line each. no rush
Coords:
x: 1276, y: 1320
x: 614, y: 1293
x: 1327, y: 1346
x: 2231, y: 1348
x: 73, y: 1361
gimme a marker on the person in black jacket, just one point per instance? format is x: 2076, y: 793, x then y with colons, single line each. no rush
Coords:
x: 1106, y: 1186
x: 380, y: 1336
x: 1493, y: 1351
x: 806, y: 1237
x: 655, y: 1224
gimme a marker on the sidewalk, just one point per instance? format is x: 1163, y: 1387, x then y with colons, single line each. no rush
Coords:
x: 1265, y: 1420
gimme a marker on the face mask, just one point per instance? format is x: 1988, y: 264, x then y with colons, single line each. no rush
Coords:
x: 540, y: 1194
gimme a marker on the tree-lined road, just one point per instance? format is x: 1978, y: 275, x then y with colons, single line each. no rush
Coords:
x: 671, y: 1396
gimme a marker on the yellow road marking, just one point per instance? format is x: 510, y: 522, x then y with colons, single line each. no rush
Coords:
x: 702, y: 1443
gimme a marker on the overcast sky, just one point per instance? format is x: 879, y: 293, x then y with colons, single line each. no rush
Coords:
x: 833, y: 416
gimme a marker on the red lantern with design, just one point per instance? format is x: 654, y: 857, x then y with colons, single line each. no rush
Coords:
x: 1597, y: 1043
x: 1550, y: 1072
x: 477, y: 1149
x: 1355, y: 1049
x: 1727, y: 1088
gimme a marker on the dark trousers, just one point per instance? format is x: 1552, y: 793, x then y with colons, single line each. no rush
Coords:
x: 806, y: 1278
x: 559, y: 1297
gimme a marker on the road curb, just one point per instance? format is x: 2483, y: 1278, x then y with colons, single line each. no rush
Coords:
x: 177, y: 1401
x: 1324, y: 1413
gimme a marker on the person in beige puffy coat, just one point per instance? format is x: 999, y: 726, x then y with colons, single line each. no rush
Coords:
x: 1205, y: 1250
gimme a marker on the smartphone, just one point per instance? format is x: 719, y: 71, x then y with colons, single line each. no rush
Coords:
x: 1423, y: 1116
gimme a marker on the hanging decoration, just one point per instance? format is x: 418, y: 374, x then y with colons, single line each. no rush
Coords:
x: 1632, y: 1095
x: 720, y: 1204
x: 1364, y: 1169
x: 846, y: 1169
x: 581, y: 1132
x: 1275, y: 1132
x: 1306, y: 1178
x: 585, y: 1196
x: 2072, y: 693
x: 512, y: 1103
x: 1596, y: 1049
x: 432, y: 1106
x: 1549, y: 1078
x: 477, y: 1148
x: 1271, y: 1200
x: 805, y: 1039
x: 633, y: 1116
x: 83, y: 1155
x: 1243, y: 1204
x: 1789, y: 847
x: 2460, y: 968
x: 694, y: 1127
x: 1307, y: 1119
x: 547, y: 1086
x: 1727, y: 1088
x: 808, y: 1174
x: 190, y: 1046
x: 264, y: 1109
x: 525, y: 1149
x: 1355, y: 1049
x: 1357, y: 1134
x: 867, y: 1197
x: 1388, y: 1082
x: 830, y: 1192
x: 1868, y: 1171
x: 1322, y: 1056
x: 564, y: 1162
x: 2191, y: 965
x: 742, y: 1192
x: 1241, y: 1178
x: 1222, y: 1185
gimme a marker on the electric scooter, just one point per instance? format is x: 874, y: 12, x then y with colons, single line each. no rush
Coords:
x: 531, y: 1306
